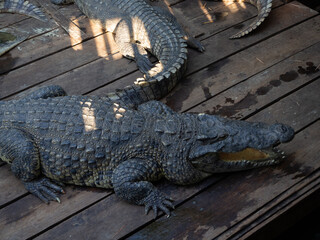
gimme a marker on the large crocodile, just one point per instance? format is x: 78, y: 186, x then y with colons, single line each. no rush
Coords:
x: 100, y: 142
x: 138, y: 27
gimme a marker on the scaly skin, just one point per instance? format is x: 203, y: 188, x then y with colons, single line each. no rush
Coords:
x: 93, y: 141
x: 138, y: 27
x: 22, y: 7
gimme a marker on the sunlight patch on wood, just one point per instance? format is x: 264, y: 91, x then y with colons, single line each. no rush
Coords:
x: 242, y: 4
x: 75, y: 35
x: 112, y: 46
x: 205, y: 11
x: 233, y: 5
x: 97, y: 28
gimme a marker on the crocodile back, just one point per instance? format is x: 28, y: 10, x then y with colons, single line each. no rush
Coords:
x: 73, y: 132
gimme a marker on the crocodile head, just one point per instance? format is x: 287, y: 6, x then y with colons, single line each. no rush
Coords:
x: 225, y: 145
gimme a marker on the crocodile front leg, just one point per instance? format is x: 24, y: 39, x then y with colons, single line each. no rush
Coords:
x: 131, y: 182
x: 19, y: 149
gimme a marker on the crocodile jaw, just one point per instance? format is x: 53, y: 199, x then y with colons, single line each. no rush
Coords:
x: 236, y: 161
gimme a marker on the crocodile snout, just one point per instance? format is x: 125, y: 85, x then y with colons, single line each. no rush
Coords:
x: 284, y: 132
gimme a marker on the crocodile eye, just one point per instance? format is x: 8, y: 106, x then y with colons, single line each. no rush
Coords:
x: 222, y: 137
x: 209, y: 141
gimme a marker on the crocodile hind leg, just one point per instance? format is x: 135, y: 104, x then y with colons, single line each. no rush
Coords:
x: 19, y: 149
x: 132, y: 182
x: 129, y: 48
x: 191, y: 41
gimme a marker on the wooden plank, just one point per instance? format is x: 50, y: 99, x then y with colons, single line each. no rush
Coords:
x: 219, y: 43
x: 217, y: 76
x: 15, y: 190
x: 223, y: 205
x: 291, y: 211
x: 7, y: 19
x: 113, y: 208
x: 31, y: 216
x: 101, y: 75
x: 53, y: 65
x: 34, y: 28
x: 131, y: 222
x: 74, y: 31
x: 55, y: 40
x: 35, y: 48
x: 248, y: 96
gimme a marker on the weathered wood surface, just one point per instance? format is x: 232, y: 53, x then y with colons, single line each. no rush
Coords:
x: 272, y: 75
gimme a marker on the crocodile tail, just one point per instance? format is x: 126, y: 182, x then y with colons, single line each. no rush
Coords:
x: 264, y: 8
x: 167, y: 44
x: 22, y: 7
x: 155, y: 88
x: 163, y: 38
x: 164, y: 76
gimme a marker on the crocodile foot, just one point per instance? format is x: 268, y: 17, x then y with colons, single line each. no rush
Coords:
x: 157, y: 200
x: 196, y: 44
x: 44, y: 189
x: 143, y: 63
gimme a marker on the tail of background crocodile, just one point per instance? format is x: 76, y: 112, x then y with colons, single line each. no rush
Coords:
x: 167, y: 44
x: 22, y: 7
x: 264, y: 8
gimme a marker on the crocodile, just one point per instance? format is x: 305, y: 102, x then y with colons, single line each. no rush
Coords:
x: 138, y: 27
x: 10, y: 37
x: 264, y: 8
x: 50, y: 138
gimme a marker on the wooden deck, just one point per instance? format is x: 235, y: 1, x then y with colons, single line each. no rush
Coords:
x: 270, y: 76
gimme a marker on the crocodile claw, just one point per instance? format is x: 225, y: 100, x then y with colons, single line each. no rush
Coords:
x: 44, y: 189
x: 157, y: 200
